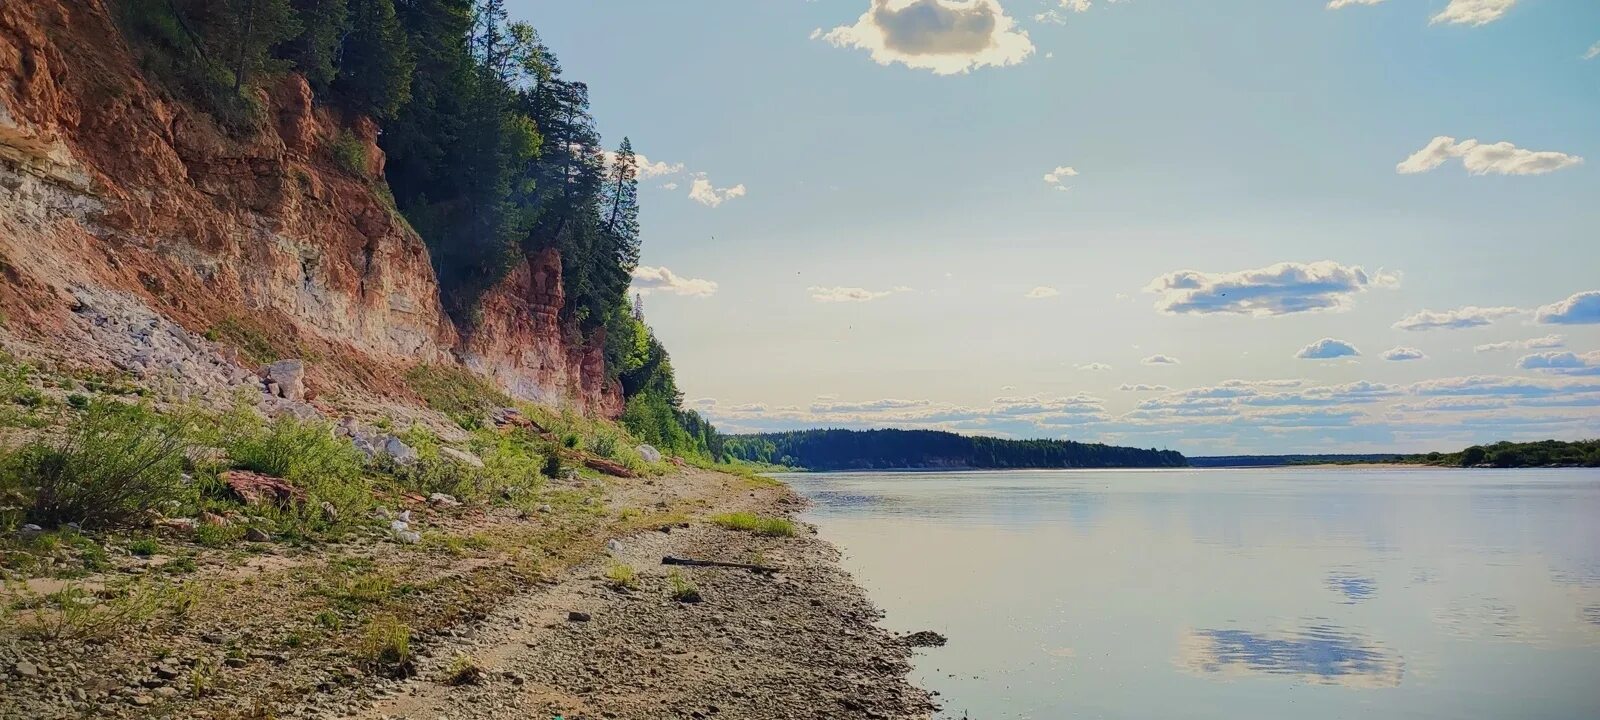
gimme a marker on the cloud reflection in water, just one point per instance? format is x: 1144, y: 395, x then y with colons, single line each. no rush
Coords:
x: 1321, y: 654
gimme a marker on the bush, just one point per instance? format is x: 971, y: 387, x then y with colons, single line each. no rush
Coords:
x: 758, y: 524
x: 115, y: 463
x: 309, y: 456
x: 350, y: 153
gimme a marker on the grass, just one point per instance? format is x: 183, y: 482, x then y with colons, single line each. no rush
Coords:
x: 682, y: 589
x: 309, y: 456
x: 74, y: 613
x: 144, y: 547
x: 252, y: 339
x: 463, y: 670
x: 622, y: 577
x: 457, y: 392
x: 386, y: 646
x: 753, y: 523
x: 350, y: 153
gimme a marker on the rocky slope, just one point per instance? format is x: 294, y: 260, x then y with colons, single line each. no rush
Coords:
x: 117, y: 202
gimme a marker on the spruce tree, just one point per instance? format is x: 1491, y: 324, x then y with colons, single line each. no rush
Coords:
x: 375, y: 61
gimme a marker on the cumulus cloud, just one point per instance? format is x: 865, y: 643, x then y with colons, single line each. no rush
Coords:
x: 1160, y: 360
x: 1055, y: 177
x: 1580, y: 309
x: 703, y: 192
x: 1501, y: 386
x: 1538, y: 343
x: 1141, y: 387
x: 1593, y: 52
x: 1472, y: 12
x: 1042, y: 292
x: 943, y: 36
x: 1562, y: 363
x: 851, y: 294
x: 1094, y: 367
x: 1501, y: 158
x: 1327, y: 349
x: 1466, y: 317
x: 1403, y: 353
x: 1052, y: 17
x: 1337, y: 4
x: 1279, y: 289
x: 648, y: 280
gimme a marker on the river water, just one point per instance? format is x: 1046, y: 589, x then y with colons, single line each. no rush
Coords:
x: 1259, y: 594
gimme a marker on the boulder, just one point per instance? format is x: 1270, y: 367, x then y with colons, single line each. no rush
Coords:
x: 444, y: 501
x: 649, y: 453
x: 252, y: 488
x: 290, y: 377
x: 461, y: 456
x: 402, y: 453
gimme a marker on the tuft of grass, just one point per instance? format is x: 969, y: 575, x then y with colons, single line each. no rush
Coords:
x: 682, y: 589
x: 458, y: 393
x: 115, y: 464
x: 622, y: 577
x: 144, y: 547
x: 758, y: 524
x: 350, y: 153
x: 386, y: 646
x: 73, y: 613
x: 204, y: 678
x: 463, y: 670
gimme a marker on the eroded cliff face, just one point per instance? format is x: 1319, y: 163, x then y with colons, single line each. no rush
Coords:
x: 108, y: 189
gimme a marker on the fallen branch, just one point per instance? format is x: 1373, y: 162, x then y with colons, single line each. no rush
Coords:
x: 690, y: 562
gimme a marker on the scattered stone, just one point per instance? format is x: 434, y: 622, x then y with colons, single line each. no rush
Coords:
x: 461, y: 456
x: 164, y: 671
x: 143, y: 700
x: 29, y: 531
x: 257, y: 535
x: 27, y: 669
x: 167, y: 692
x: 402, y: 453
x: 212, y: 638
x: 330, y: 514
x: 924, y: 638
x: 234, y: 662
x: 444, y: 501
x: 545, y: 508
x: 576, y: 616
x: 213, y: 520
x: 182, y: 526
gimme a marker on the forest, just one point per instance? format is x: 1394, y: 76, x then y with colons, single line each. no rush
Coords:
x: 919, y: 449
x: 492, y: 152
x: 1541, y: 453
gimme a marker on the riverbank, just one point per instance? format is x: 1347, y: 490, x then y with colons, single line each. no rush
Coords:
x: 532, y: 619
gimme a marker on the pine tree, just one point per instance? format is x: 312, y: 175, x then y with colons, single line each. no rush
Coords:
x: 315, y: 51
x: 375, y: 61
x: 242, y: 31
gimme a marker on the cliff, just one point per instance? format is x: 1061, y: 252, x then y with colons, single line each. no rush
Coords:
x: 123, y: 212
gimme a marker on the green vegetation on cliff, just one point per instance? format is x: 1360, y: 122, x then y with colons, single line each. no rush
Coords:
x: 492, y: 154
x: 887, y: 449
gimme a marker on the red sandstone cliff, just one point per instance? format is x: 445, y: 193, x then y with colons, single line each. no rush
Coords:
x: 108, y: 186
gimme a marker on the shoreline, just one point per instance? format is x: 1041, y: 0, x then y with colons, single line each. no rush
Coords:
x: 801, y: 643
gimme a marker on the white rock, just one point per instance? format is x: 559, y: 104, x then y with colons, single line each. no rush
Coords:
x: 461, y: 456
x: 402, y: 453
x: 443, y: 500
x: 649, y: 453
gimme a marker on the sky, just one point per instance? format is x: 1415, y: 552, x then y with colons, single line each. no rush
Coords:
x: 1238, y: 226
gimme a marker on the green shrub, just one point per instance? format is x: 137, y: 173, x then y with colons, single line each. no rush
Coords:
x: 309, y: 456
x: 144, y: 547
x: 350, y: 153
x: 387, y: 645
x: 758, y: 524
x: 115, y: 463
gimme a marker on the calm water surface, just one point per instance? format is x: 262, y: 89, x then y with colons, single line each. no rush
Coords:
x: 1238, y: 594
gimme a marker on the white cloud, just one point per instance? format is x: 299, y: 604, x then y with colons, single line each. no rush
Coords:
x: 1562, y: 363
x: 1403, y: 353
x: 943, y: 36
x: 1472, y: 12
x: 1094, y: 367
x: 1501, y: 386
x: 1141, y: 387
x: 1279, y: 289
x: 703, y: 192
x: 1327, y: 349
x: 669, y: 186
x: 851, y: 294
x: 1466, y: 317
x: 1501, y: 158
x: 1538, y: 343
x: 1054, y: 177
x: 1042, y: 292
x: 1593, y: 52
x: 1337, y: 4
x: 647, y: 280
x: 1052, y: 17
x: 1580, y: 309
x: 646, y: 168
x: 1160, y: 360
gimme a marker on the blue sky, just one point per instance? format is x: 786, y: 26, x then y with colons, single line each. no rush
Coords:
x: 1337, y: 224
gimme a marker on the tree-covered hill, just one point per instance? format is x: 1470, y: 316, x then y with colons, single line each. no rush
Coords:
x: 886, y: 449
x: 1542, y: 453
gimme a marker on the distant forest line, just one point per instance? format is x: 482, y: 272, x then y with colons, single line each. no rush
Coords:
x: 933, y: 449
x: 1541, y: 453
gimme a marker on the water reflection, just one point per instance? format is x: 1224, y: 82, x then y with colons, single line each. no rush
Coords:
x: 1321, y: 653
x: 1354, y: 588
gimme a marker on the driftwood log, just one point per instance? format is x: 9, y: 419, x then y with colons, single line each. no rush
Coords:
x: 609, y: 467
x: 690, y: 562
